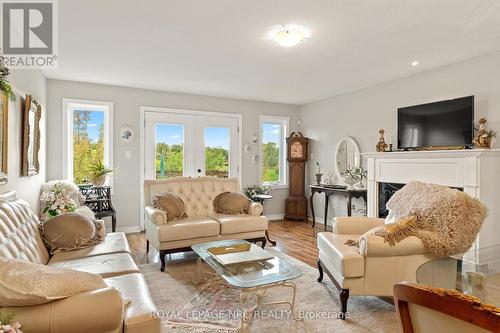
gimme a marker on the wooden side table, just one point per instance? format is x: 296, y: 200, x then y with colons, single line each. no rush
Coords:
x: 262, y: 198
x: 348, y: 193
x: 98, y: 199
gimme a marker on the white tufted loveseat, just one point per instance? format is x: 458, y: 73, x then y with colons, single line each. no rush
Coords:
x: 202, y: 224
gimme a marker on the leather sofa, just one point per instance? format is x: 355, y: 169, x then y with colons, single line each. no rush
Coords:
x: 373, y: 268
x: 103, y: 310
x: 202, y: 224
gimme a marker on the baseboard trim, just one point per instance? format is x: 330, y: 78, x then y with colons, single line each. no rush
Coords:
x: 321, y: 220
x: 275, y: 217
x: 128, y: 230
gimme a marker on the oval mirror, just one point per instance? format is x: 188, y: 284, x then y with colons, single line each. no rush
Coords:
x: 347, y: 156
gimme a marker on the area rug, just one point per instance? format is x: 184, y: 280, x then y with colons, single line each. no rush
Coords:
x: 213, y: 306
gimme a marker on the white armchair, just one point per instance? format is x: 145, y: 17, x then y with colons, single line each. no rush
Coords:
x: 374, y: 267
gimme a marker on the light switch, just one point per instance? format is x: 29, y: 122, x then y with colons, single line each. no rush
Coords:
x: 128, y: 154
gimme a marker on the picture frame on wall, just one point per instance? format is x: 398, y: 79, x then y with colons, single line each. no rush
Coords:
x: 4, y: 136
x: 32, y: 113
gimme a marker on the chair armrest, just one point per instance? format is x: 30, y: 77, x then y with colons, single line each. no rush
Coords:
x: 255, y: 209
x: 353, y: 225
x: 156, y: 216
x: 375, y: 246
x: 96, y: 311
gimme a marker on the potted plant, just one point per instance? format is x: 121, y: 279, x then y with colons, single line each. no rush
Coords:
x: 318, y: 174
x: 8, y: 324
x: 5, y: 85
x: 99, y: 173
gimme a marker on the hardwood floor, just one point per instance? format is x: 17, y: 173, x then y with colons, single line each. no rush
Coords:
x: 295, y: 238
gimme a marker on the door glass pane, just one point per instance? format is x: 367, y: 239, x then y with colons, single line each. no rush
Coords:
x: 88, y: 142
x: 271, y: 138
x: 217, y: 152
x: 169, y: 151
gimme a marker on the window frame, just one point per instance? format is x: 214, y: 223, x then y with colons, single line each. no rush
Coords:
x: 285, y: 125
x: 69, y: 106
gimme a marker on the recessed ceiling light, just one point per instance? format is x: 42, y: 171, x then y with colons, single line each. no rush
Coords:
x: 289, y: 35
x: 414, y: 63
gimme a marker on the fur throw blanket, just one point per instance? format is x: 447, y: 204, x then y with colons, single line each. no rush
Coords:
x: 445, y: 219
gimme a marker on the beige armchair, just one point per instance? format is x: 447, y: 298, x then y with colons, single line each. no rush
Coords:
x: 374, y: 267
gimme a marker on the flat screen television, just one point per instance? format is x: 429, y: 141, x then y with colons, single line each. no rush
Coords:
x: 447, y: 123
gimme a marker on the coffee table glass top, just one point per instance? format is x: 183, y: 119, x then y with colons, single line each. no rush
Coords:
x: 248, y: 275
x: 476, y: 272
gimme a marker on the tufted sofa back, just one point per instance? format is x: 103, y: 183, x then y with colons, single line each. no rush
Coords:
x: 197, y: 193
x: 19, y: 234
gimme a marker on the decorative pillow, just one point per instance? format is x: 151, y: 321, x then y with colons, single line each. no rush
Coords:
x: 231, y: 203
x: 70, y: 231
x: 23, y: 283
x: 171, y: 204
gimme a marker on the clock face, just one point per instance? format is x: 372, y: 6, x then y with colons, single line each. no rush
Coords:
x: 296, y: 150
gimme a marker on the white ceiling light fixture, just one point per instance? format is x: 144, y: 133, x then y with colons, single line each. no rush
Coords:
x: 415, y: 63
x: 289, y: 35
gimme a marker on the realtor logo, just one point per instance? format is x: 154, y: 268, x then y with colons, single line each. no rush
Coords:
x: 29, y: 33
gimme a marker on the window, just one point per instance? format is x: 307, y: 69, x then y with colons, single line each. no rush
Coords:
x: 88, y: 138
x: 273, y: 131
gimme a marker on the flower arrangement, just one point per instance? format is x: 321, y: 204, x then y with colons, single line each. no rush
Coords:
x: 251, y: 191
x: 57, y: 201
x: 355, y: 176
x: 8, y: 324
x: 5, y: 85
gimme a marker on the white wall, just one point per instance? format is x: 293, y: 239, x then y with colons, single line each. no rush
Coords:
x: 24, y: 82
x: 362, y: 113
x: 127, y: 102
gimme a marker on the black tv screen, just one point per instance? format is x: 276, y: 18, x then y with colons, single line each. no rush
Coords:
x: 439, y: 124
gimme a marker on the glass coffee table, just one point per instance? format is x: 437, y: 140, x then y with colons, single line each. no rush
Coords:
x: 252, y: 279
x: 476, y: 273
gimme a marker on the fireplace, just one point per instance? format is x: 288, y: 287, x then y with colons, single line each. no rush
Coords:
x: 386, y: 191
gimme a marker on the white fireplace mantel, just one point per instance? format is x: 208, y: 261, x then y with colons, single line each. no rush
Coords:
x: 477, y: 171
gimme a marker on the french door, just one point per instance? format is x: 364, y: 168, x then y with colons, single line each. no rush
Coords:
x: 190, y: 145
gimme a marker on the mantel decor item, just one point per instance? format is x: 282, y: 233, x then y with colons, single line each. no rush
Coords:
x: 381, y: 145
x: 31, y: 136
x: 318, y: 174
x: 484, y: 137
x: 4, y: 136
x: 99, y: 173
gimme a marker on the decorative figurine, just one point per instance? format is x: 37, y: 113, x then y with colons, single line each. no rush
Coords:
x: 484, y: 137
x: 381, y: 145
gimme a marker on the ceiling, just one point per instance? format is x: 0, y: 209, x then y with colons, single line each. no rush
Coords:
x: 220, y: 47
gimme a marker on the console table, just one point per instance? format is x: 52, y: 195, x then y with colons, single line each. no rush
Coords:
x: 328, y: 191
x: 98, y: 199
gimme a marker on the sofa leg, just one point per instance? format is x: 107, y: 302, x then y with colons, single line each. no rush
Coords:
x: 147, y: 246
x: 344, y: 296
x: 263, y: 242
x: 320, y: 269
x: 163, y: 253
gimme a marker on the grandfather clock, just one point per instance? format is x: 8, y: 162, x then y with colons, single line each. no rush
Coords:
x: 296, y: 203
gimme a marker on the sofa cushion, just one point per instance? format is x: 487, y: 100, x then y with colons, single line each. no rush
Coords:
x: 19, y: 234
x: 24, y: 283
x: 233, y: 224
x: 346, y: 259
x: 107, y: 265
x: 115, y: 242
x: 171, y: 204
x: 231, y: 203
x: 70, y: 231
x: 139, y: 313
x: 187, y: 228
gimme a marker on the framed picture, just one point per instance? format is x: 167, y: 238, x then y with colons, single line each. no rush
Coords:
x: 4, y: 136
x: 31, y: 136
